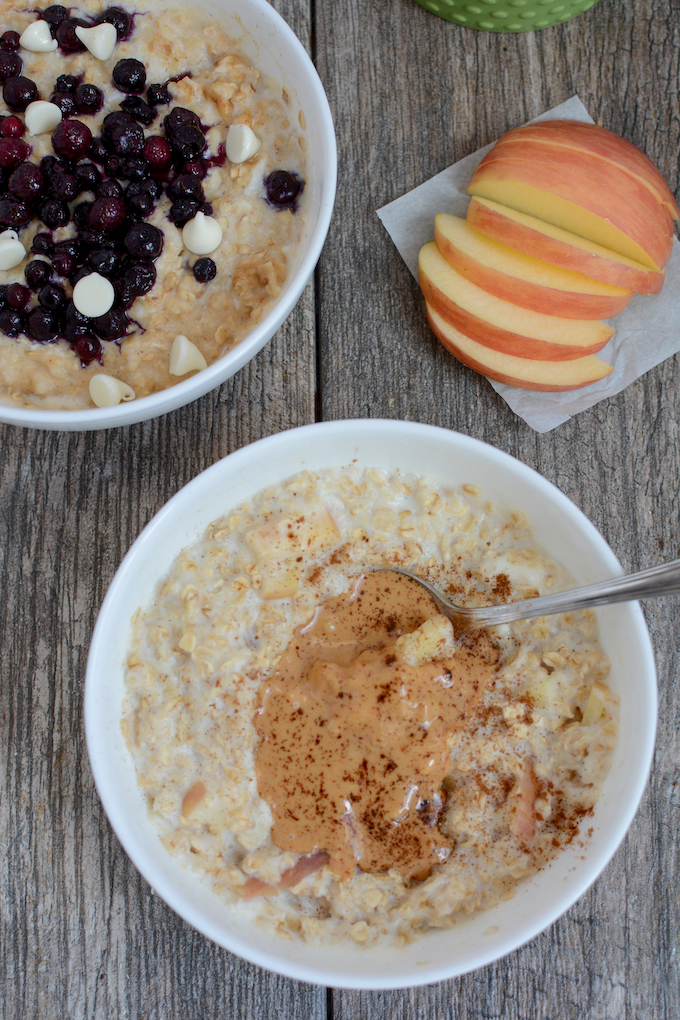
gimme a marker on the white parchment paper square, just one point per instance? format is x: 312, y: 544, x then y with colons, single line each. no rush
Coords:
x: 647, y: 330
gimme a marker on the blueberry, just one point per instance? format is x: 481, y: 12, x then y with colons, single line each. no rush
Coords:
x: 158, y: 95
x: 107, y: 213
x: 112, y: 325
x: 63, y: 264
x: 140, y: 277
x: 144, y: 241
x: 129, y: 75
x: 158, y: 152
x: 114, y: 166
x: 66, y: 83
x: 135, y: 169
x: 10, y: 65
x: 75, y: 323
x: 52, y: 296
x: 205, y: 270
x: 104, y: 261
x: 110, y: 189
x: 66, y: 35
x: 18, y: 92
x: 11, y: 322
x: 42, y: 325
x: 98, y: 151
x: 196, y: 166
x: 138, y: 109
x: 140, y: 204
x: 13, y: 213
x: 181, y: 117
x: 88, y: 177
x: 17, y: 296
x: 12, y: 152
x: 186, y: 186
x: 187, y: 141
x: 183, y: 210
x: 125, y: 296
x: 79, y: 274
x: 27, y: 181
x: 65, y: 102
x: 42, y: 244
x: 12, y: 127
x: 71, y: 139
x: 120, y: 20
x: 122, y: 134
x: 54, y: 16
x: 80, y: 214
x: 282, y: 189
x: 37, y: 274
x: 9, y: 41
x: 71, y: 246
x: 54, y: 213
x: 62, y: 184
x: 88, y: 99
x: 88, y: 349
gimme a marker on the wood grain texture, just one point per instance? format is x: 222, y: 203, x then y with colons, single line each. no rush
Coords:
x: 82, y: 936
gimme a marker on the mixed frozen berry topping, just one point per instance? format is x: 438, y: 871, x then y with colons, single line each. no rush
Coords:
x: 106, y: 186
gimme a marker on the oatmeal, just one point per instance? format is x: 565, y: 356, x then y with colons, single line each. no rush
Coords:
x: 512, y: 762
x: 171, y: 190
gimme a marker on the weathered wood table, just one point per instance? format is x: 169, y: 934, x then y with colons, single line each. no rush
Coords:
x: 82, y: 934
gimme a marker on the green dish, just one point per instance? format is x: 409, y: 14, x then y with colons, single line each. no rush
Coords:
x: 507, y: 15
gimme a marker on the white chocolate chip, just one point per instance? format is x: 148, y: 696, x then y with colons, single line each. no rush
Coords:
x: 202, y: 235
x: 185, y: 357
x: 42, y: 117
x: 93, y: 295
x: 12, y: 251
x: 37, y: 38
x: 242, y: 143
x: 100, y: 40
x: 107, y: 391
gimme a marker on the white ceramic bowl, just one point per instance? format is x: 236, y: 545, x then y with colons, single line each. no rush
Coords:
x: 454, y: 459
x: 273, y: 47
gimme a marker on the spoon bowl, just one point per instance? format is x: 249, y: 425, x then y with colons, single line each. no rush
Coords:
x: 645, y: 584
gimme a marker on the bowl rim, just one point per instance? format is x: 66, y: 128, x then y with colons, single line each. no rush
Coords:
x: 293, y: 967
x: 197, y: 385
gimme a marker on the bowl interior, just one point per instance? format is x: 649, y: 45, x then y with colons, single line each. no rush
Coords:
x: 264, y: 37
x: 561, y: 529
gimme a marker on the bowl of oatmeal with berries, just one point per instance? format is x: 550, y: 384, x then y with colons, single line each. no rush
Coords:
x: 167, y: 176
x: 299, y: 758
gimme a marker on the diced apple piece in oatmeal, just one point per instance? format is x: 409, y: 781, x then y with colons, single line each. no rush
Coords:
x: 280, y: 580
x: 592, y: 713
x: 432, y: 641
x: 288, y: 536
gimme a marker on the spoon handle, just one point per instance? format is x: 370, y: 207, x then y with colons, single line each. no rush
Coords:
x: 650, y: 583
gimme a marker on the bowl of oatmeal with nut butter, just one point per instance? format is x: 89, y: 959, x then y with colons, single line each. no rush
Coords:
x: 296, y: 754
x: 167, y: 174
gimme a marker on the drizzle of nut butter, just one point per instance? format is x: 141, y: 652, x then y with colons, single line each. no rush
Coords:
x: 355, y: 743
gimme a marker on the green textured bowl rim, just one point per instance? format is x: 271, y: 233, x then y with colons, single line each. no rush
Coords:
x: 507, y: 15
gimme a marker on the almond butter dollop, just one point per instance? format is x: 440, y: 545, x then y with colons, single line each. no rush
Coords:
x: 355, y: 726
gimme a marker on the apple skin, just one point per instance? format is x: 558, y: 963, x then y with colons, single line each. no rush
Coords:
x: 454, y: 298
x: 642, y: 227
x: 450, y: 237
x: 533, y: 237
x: 603, y: 144
x: 543, y: 376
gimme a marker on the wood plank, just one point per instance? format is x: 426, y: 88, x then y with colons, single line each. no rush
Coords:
x: 410, y: 95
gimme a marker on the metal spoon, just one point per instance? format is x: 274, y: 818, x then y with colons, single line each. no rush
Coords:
x: 645, y: 584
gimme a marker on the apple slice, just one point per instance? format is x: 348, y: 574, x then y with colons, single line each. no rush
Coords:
x: 522, y: 279
x: 625, y: 218
x: 605, y: 145
x: 547, y: 376
x: 495, y: 323
x: 561, y: 248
